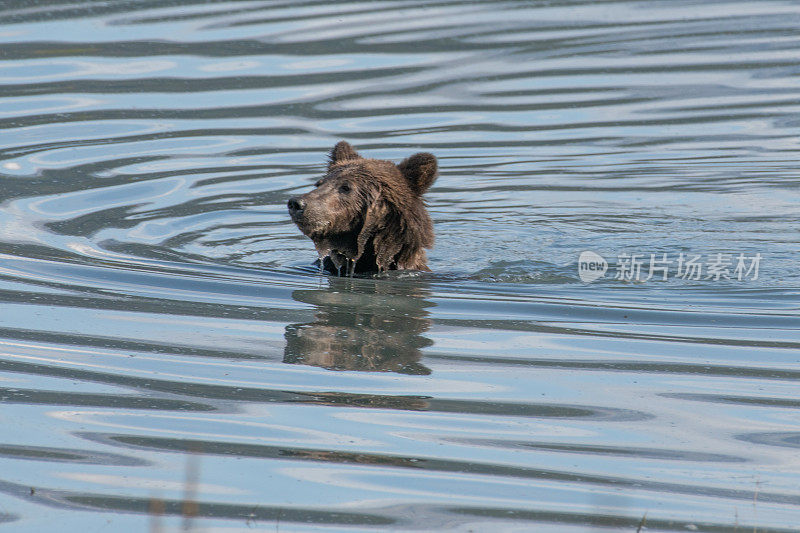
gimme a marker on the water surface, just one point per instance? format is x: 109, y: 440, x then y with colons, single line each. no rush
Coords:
x: 164, y: 336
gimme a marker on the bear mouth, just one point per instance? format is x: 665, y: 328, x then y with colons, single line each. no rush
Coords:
x: 310, y: 228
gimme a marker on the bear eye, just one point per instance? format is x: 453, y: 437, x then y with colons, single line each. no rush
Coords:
x: 318, y: 183
x: 344, y: 188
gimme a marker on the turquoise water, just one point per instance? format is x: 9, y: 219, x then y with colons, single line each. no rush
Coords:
x: 165, y: 337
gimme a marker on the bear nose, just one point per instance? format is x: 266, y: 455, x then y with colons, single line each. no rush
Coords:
x: 295, y: 205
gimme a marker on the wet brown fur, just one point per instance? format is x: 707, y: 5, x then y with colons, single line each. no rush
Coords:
x: 368, y: 215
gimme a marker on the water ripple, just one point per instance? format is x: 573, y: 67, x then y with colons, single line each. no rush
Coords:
x: 159, y: 305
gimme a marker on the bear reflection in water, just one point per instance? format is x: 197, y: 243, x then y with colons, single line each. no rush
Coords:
x: 362, y: 324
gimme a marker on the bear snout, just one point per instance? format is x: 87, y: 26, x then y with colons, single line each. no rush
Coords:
x: 296, y: 206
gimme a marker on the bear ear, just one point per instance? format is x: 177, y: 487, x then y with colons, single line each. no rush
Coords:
x: 420, y: 170
x: 342, y: 152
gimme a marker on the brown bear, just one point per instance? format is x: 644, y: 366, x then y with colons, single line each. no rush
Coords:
x: 368, y: 215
